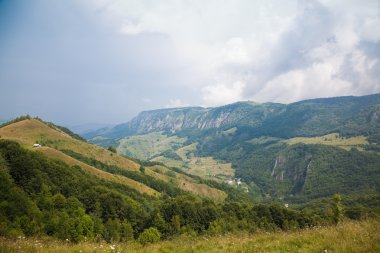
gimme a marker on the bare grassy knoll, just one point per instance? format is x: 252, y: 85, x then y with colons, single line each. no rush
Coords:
x: 29, y: 131
x: 363, y: 236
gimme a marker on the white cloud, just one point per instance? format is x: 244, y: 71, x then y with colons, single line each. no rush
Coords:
x: 235, y: 52
x: 175, y: 103
x: 321, y: 56
x: 370, y: 29
x: 146, y: 100
x: 302, y: 84
x: 218, y: 41
x: 221, y: 94
x: 131, y: 28
x: 265, y: 50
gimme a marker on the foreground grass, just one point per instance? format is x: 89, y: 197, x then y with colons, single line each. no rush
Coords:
x: 363, y: 236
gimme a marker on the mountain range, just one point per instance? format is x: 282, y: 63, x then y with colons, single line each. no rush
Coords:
x: 299, y: 151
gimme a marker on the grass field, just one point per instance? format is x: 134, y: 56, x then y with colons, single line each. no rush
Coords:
x: 144, y: 147
x: 348, y: 237
x: 31, y: 131
x: 206, y: 167
x: 27, y: 132
x: 150, y: 146
x: 185, y: 183
x: 333, y: 140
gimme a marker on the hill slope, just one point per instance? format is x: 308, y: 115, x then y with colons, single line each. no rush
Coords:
x: 40, y: 196
x: 55, y: 144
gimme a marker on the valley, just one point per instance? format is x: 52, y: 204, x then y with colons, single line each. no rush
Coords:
x: 191, y: 173
x: 297, y: 152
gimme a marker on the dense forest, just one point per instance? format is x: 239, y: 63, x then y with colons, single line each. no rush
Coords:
x: 42, y: 196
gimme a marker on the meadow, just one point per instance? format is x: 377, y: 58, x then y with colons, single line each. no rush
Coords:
x: 348, y: 236
x: 333, y: 140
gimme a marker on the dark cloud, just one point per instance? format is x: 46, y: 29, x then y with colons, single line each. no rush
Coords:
x: 60, y: 63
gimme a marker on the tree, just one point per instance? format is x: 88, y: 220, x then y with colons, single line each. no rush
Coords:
x: 160, y: 223
x: 126, y: 231
x: 176, y: 224
x: 150, y: 235
x: 338, y: 208
x: 112, y: 149
x: 59, y: 201
x: 112, y: 230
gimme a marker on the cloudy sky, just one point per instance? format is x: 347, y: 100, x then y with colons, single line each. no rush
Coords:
x: 103, y: 61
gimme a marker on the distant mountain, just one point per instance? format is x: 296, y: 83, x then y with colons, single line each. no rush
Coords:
x: 83, y: 129
x: 305, y: 118
x: 308, y: 149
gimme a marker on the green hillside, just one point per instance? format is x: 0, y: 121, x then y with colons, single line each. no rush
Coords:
x: 56, y: 140
x: 43, y: 196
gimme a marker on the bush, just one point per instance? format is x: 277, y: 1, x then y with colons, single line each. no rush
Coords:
x: 150, y: 235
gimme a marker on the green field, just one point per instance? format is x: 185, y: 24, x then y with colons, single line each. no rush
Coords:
x: 153, y: 146
x: 144, y: 147
x: 362, y: 236
x: 206, y: 167
x: 333, y: 140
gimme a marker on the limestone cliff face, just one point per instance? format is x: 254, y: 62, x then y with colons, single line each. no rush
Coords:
x: 349, y: 115
x: 242, y: 113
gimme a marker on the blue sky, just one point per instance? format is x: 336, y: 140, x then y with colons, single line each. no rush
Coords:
x: 103, y: 61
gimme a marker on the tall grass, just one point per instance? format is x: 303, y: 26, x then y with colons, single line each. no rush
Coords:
x: 363, y: 236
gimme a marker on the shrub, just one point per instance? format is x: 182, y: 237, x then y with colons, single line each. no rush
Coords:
x: 150, y: 235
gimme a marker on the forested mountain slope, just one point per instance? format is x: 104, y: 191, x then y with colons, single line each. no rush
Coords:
x: 304, y: 150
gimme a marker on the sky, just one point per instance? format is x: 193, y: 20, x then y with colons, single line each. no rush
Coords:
x: 75, y: 62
